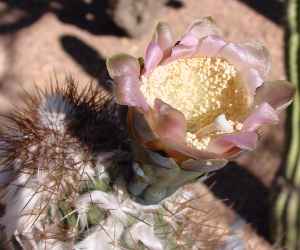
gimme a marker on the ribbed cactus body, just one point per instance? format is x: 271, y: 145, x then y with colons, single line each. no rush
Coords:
x: 286, y: 209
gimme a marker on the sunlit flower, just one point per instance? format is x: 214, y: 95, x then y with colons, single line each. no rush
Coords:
x: 200, y: 99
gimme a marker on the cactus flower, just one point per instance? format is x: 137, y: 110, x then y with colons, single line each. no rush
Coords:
x: 200, y: 100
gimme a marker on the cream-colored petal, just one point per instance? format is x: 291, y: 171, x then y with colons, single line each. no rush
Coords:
x: 202, y: 28
x: 122, y: 64
x: 127, y: 92
x: 163, y: 36
x: 279, y: 94
x: 247, y: 55
x: 153, y: 56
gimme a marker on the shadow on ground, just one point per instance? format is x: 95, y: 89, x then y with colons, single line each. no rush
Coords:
x: 87, y: 58
x: 88, y: 15
x: 272, y: 9
x: 239, y: 189
x: 94, y: 16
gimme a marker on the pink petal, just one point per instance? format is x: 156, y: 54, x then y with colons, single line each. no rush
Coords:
x: 252, y: 79
x: 153, y: 56
x: 169, y: 122
x: 263, y: 115
x: 189, y: 40
x: 219, y: 146
x: 127, y: 92
x: 140, y: 126
x: 210, y: 46
x: 202, y: 28
x: 180, y: 51
x: 170, y: 126
x: 173, y: 144
x: 235, y: 54
x: 278, y: 94
x: 164, y: 37
x: 204, y: 166
x: 248, y: 55
x: 258, y: 57
x: 164, y: 128
x: 242, y: 140
x: 122, y: 64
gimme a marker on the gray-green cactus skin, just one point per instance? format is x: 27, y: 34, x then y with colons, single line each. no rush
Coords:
x: 287, y: 203
x: 156, y: 177
x: 71, y: 179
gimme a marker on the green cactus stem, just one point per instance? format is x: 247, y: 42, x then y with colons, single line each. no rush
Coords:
x: 286, y: 209
x: 156, y: 177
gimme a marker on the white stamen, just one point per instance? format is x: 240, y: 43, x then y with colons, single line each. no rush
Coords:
x: 222, y: 124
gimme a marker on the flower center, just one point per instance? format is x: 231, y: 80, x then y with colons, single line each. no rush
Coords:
x: 202, y: 88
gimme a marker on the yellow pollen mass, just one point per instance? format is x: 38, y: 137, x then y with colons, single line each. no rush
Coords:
x: 202, y: 88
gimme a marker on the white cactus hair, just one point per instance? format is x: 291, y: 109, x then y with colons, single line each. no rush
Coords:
x: 53, y: 112
x: 50, y: 148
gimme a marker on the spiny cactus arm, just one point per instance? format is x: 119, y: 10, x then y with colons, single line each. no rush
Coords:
x: 286, y: 210
x: 293, y: 72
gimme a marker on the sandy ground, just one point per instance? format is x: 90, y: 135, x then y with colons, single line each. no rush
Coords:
x: 49, y: 45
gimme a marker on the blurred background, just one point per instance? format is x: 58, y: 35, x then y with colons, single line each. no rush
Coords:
x: 41, y: 40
